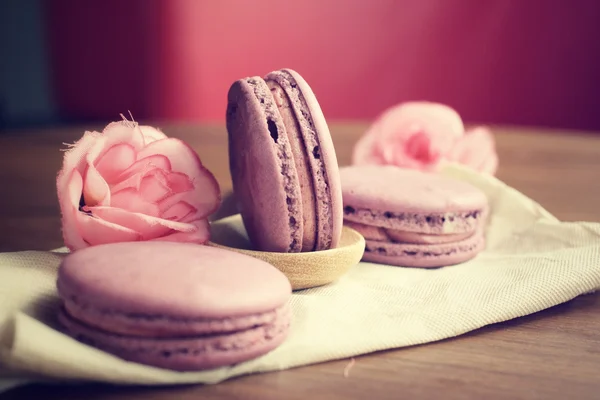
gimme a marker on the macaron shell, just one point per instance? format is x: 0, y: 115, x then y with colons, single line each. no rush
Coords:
x: 262, y: 169
x: 371, y: 232
x: 410, y: 200
x: 178, y: 280
x: 423, y: 255
x: 434, y: 224
x: 185, y: 354
x: 394, y: 189
x: 328, y: 155
x: 325, y: 153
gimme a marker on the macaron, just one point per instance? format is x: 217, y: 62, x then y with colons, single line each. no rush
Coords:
x: 283, y: 164
x: 412, y: 218
x: 178, y: 306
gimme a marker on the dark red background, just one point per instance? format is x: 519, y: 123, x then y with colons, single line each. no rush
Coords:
x: 496, y: 61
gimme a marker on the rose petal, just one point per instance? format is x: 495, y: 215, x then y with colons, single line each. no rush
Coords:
x: 156, y: 161
x: 123, y: 132
x: 115, y: 133
x: 151, y: 134
x: 365, y: 152
x: 176, y: 198
x: 181, y: 156
x: 97, y: 231
x: 178, y: 211
x: 95, y: 189
x: 75, y: 157
x: 154, y: 186
x: 476, y: 150
x: 419, y: 147
x: 148, y: 227
x: 114, y: 161
x: 136, y: 220
x: 442, y: 123
x: 133, y: 182
x: 131, y: 200
x: 69, y: 193
x: 416, y: 153
x: 69, y: 188
x: 170, y: 201
x: 206, y: 195
x: 179, y: 182
x: 200, y: 235
x: 490, y: 165
x: 410, y: 135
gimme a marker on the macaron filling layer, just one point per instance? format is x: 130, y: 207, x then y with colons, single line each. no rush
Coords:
x: 420, y: 255
x: 312, y: 149
x: 434, y: 223
x: 399, y: 236
x: 277, y: 130
x: 409, y: 249
x: 156, y: 325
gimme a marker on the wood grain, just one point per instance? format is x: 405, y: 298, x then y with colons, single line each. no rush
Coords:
x: 554, y: 354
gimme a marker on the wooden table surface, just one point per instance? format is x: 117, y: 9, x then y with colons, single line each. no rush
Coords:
x: 552, y: 354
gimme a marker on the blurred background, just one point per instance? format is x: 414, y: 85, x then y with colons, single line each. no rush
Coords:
x: 513, y: 62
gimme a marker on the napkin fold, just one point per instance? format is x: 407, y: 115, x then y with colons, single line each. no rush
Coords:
x: 532, y: 261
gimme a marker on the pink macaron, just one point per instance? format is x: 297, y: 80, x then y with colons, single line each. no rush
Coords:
x: 283, y: 164
x: 174, y: 305
x: 412, y: 218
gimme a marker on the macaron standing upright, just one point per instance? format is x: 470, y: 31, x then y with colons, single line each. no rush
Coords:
x: 173, y: 305
x: 412, y: 218
x: 283, y: 164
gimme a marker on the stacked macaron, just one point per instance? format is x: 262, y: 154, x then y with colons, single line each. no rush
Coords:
x: 174, y: 305
x: 283, y: 164
x: 412, y: 218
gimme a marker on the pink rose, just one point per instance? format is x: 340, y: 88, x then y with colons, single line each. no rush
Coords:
x: 133, y: 183
x: 424, y: 135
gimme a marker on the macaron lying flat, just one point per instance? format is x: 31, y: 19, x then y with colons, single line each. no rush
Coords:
x: 412, y: 218
x: 179, y: 306
x: 283, y: 164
